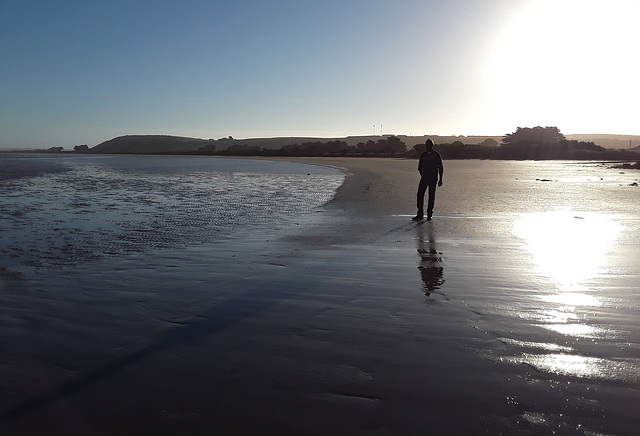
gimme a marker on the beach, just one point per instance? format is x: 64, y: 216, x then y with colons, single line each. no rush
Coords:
x: 515, y: 311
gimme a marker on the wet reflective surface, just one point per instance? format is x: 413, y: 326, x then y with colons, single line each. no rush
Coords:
x: 431, y: 269
x: 571, y: 249
x: 57, y: 210
x: 515, y: 311
x: 548, y: 269
x: 568, y: 247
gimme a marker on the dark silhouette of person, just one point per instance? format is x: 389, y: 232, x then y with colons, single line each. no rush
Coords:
x: 431, y: 169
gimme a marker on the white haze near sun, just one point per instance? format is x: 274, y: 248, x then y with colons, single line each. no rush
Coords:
x: 568, y: 63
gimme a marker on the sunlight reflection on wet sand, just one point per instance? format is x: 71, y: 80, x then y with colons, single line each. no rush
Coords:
x: 570, y: 248
x: 581, y: 366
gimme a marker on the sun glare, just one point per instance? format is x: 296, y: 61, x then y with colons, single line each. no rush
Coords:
x: 564, y: 62
x: 567, y: 247
x: 570, y: 248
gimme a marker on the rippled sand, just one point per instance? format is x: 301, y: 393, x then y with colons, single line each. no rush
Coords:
x: 514, y: 311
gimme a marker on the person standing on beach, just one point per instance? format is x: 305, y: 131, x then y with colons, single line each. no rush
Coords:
x: 431, y: 169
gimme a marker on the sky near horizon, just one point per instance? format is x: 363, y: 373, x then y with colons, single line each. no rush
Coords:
x: 82, y: 72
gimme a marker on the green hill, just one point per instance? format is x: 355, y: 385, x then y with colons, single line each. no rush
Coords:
x: 144, y: 144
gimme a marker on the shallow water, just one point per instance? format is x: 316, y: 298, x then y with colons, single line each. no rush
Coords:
x: 515, y: 311
x: 57, y: 210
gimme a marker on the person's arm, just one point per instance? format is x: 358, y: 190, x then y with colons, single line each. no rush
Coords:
x: 440, y: 169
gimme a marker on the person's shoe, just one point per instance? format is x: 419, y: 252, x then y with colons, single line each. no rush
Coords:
x: 417, y: 218
x: 429, y: 218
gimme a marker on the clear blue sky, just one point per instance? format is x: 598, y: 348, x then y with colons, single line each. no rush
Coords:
x: 82, y: 72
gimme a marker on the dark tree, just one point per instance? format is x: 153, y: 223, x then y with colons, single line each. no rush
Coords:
x: 367, y: 149
x: 534, y: 135
x: 489, y: 142
x: 392, y: 145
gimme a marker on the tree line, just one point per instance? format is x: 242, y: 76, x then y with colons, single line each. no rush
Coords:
x: 535, y: 143
x: 391, y: 146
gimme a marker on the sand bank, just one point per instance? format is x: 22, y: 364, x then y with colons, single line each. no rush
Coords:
x: 354, y: 321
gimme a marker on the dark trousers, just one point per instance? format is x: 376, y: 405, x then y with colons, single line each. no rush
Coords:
x: 422, y: 188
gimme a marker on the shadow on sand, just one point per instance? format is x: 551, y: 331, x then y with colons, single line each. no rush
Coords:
x: 220, y: 317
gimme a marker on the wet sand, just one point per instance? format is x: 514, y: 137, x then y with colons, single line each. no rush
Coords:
x: 353, y: 321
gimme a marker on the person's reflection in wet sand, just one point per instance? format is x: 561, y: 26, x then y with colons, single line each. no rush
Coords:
x: 430, y: 265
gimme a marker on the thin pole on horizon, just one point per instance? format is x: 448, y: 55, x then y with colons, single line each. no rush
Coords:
x: 380, y: 129
x: 374, y: 130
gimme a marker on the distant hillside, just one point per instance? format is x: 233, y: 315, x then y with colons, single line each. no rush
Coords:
x: 467, y: 140
x: 608, y: 141
x: 158, y: 144
x: 143, y: 144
